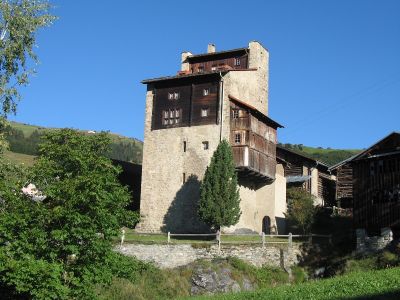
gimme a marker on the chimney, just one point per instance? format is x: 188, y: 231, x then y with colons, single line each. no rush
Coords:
x: 211, y: 48
x: 184, y: 63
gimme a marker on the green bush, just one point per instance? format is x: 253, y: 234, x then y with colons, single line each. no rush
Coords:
x: 301, y: 210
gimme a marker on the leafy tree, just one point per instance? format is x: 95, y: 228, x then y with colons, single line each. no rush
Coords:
x: 19, y: 22
x: 219, y: 203
x: 60, y: 247
x: 301, y: 210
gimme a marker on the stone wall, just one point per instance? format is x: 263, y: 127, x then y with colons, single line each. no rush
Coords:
x: 370, y: 244
x: 172, y: 256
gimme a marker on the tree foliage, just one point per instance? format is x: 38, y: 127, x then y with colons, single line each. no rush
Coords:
x: 19, y: 23
x: 301, y: 210
x: 219, y: 203
x: 60, y: 247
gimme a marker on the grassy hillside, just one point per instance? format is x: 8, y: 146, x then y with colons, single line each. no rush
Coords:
x: 382, y: 284
x: 19, y: 158
x: 328, y: 155
x: 24, y: 140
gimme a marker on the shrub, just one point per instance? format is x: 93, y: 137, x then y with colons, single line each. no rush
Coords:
x: 301, y: 210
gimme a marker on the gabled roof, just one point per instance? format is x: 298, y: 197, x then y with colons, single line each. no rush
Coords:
x: 366, y: 152
x: 304, y: 156
x: 256, y: 112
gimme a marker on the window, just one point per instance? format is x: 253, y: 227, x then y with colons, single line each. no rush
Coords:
x: 213, y: 67
x: 235, y: 114
x: 237, y: 61
x: 238, y: 138
x: 173, y: 96
x: 183, y: 177
x: 171, y: 116
x: 206, y: 92
x: 200, y: 69
x: 204, y: 112
x: 184, y: 146
x: 205, y: 145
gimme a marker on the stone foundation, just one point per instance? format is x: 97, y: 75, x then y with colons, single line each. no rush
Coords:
x: 172, y: 256
x: 373, y: 244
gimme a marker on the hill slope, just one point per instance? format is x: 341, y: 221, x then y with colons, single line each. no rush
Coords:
x: 328, y: 156
x: 24, y: 140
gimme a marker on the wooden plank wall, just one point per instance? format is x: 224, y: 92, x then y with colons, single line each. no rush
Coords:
x: 344, y: 178
x: 208, y: 64
x: 377, y: 193
x: 190, y: 102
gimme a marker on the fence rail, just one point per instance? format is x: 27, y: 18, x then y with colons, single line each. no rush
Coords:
x: 259, y: 238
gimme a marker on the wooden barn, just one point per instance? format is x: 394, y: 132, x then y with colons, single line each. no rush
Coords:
x: 376, y: 186
x: 344, y: 182
x: 308, y: 173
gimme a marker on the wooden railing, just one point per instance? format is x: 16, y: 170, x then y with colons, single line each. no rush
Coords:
x: 254, y: 160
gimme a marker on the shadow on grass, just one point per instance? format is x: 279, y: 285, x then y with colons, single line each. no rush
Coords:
x: 380, y: 296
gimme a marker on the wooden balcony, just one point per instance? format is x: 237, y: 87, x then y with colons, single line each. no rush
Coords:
x: 253, y: 165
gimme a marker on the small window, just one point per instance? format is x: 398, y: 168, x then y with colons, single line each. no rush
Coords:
x: 204, y: 112
x: 237, y: 61
x: 184, y: 146
x: 183, y: 177
x: 213, y: 67
x: 171, y: 116
x: 173, y: 96
x: 238, y: 138
x: 205, y: 145
x: 200, y: 69
x: 235, y: 114
x: 206, y: 92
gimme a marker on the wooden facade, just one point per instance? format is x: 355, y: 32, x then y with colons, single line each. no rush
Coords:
x: 236, y: 60
x: 253, y: 139
x: 298, y: 172
x: 376, y: 186
x: 344, y: 185
x: 183, y: 102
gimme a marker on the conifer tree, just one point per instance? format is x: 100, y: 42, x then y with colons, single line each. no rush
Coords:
x: 219, y: 203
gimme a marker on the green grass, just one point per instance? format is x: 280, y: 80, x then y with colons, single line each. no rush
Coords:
x: 133, y: 237
x: 326, y: 155
x: 382, y: 284
x: 19, y: 158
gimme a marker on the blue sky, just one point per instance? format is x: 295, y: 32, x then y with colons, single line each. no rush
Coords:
x: 334, y: 65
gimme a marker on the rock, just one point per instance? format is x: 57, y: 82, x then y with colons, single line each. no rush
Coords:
x: 218, y: 279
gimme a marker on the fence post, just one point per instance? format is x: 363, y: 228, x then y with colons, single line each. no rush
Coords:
x: 263, y: 239
x: 169, y: 237
x: 219, y: 240
x: 290, y: 240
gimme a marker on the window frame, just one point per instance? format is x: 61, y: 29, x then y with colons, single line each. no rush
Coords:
x: 237, y: 61
x: 206, y: 145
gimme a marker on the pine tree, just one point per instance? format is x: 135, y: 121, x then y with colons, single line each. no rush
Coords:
x: 219, y: 203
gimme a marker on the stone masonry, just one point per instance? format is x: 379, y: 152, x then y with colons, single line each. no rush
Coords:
x: 172, y: 256
x: 169, y: 205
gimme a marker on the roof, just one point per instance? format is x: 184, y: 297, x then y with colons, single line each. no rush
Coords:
x: 362, y: 154
x: 256, y: 112
x: 292, y: 179
x: 183, y: 76
x: 151, y: 80
x: 317, y: 162
x: 191, y: 57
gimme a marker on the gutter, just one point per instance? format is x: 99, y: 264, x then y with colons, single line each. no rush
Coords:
x: 221, y: 99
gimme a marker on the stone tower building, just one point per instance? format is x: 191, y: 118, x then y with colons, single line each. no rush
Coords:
x: 215, y: 96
